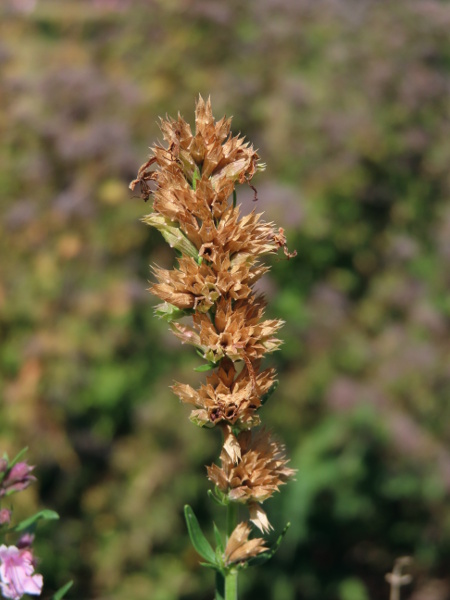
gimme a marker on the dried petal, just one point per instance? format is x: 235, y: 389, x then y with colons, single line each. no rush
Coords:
x: 259, y: 518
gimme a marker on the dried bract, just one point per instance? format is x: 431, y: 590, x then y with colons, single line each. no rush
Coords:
x: 258, y: 474
x: 239, y: 548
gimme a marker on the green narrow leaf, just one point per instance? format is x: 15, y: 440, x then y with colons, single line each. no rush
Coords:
x: 265, y: 556
x: 62, y: 591
x: 16, y: 459
x: 208, y: 565
x: 200, y: 543
x: 234, y: 198
x: 217, y: 500
x: 170, y: 313
x: 195, y: 178
x: 271, y: 390
x: 206, y: 367
x: 43, y: 514
x: 218, y: 538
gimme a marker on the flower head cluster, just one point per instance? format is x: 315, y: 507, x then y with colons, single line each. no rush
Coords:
x: 256, y: 476
x: 192, y: 180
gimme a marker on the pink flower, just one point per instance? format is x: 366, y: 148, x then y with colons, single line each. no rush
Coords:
x: 5, y: 516
x: 16, y: 573
x: 17, y: 479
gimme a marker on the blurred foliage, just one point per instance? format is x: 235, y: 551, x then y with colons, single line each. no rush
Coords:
x: 347, y: 101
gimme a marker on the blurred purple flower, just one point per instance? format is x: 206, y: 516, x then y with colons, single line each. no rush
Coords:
x: 16, y: 573
x: 25, y: 541
x: 17, y: 479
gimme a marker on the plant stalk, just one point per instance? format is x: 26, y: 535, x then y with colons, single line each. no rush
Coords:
x: 231, y: 588
x: 231, y: 578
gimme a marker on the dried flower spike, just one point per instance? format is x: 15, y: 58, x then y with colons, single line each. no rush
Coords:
x: 192, y: 181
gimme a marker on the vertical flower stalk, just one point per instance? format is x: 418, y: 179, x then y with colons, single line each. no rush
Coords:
x: 192, y: 180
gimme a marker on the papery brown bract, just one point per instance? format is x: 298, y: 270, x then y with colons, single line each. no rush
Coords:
x: 237, y: 332
x: 261, y: 470
x: 227, y: 397
x: 240, y: 548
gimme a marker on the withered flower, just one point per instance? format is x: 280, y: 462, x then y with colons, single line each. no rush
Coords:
x: 200, y: 286
x: 223, y: 160
x: 256, y: 476
x: 236, y: 331
x: 239, y: 548
x: 227, y: 397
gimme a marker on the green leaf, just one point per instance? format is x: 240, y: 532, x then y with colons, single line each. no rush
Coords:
x: 196, y: 177
x: 206, y: 367
x: 62, y: 591
x: 209, y: 565
x: 265, y: 556
x: 218, y: 537
x: 43, y: 514
x: 216, y: 498
x: 170, y: 313
x: 16, y: 459
x: 200, y: 543
x: 172, y: 233
x: 200, y: 422
x: 271, y: 390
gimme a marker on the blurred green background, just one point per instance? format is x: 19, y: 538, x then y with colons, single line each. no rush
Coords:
x: 348, y: 103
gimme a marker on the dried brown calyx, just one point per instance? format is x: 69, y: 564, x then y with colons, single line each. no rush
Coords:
x: 256, y: 476
x: 240, y: 548
x: 227, y: 396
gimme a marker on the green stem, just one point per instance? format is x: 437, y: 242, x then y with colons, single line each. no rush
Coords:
x: 231, y: 588
x: 231, y: 578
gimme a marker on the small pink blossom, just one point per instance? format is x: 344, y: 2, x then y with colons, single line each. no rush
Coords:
x: 17, y: 479
x: 17, y: 573
x: 5, y: 516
